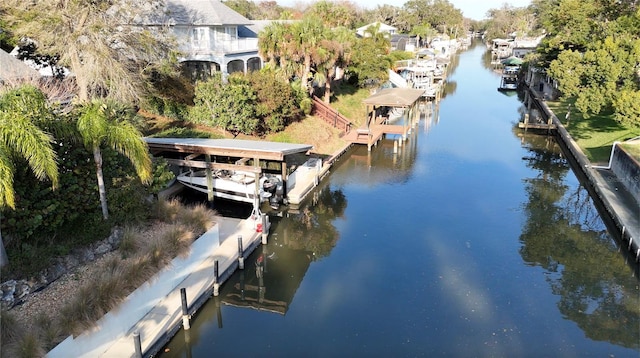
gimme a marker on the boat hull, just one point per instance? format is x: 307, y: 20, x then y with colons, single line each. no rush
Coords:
x: 238, y: 186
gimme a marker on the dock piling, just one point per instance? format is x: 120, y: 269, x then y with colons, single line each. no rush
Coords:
x: 138, y: 344
x: 185, y: 309
x: 265, y: 233
x: 216, y: 279
x: 240, y: 253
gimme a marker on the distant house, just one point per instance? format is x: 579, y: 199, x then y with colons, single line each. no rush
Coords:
x: 390, y: 30
x: 211, y: 36
x: 13, y: 70
x: 523, y: 46
x: 403, y: 42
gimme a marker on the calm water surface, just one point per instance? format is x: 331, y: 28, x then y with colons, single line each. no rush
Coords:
x: 473, y: 241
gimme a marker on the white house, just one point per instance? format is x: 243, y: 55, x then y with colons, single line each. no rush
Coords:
x: 390, y: 30
x: 211, y: 36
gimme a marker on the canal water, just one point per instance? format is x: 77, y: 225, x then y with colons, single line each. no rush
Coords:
x: 474, y: 240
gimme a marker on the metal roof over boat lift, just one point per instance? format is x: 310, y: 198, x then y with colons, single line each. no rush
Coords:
x: 228, y: 147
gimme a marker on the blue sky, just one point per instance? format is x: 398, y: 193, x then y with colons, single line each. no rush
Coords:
x: 474, y: 9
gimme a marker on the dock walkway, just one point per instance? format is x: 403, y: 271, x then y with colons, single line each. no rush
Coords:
x: 154, y: 310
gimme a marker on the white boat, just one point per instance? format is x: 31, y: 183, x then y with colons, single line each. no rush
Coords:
x: 235, y: 185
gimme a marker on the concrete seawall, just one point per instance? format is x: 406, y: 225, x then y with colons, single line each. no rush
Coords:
x: 620, y: 205
x: 627, y: 169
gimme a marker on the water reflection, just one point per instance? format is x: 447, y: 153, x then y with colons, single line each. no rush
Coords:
x: 564, y: 234
x: 264, y: 284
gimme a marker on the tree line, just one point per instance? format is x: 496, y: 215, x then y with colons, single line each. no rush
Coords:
x: 590, y: 48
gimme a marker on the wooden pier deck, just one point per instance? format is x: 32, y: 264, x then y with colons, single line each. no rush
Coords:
x: 536, y: 124
x: 370, y: 136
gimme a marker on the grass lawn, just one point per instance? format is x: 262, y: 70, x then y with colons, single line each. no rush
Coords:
x: 312, y: 130
x: 633, y: 149
x: 595, y: 134
x: 348, y: 101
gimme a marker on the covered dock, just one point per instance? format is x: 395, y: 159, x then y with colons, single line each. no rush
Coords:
x: 230, y: 154
x: 377, y: 124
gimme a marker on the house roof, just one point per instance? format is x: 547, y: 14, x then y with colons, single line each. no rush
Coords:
x: 12, y: 69
x: 394, y: 97
x: 256, y: 26
x: 229, y: 147
x: 198, y: 12
x: 383, y: 27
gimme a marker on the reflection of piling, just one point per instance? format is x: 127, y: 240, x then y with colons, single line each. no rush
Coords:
x: 218, y: 311
x: 242, y: 285
x: 187, y: 341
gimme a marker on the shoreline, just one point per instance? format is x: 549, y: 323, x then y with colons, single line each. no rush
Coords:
x: 623, y: 213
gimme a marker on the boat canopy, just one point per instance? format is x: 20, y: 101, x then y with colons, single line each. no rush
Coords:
x: 228, y: 147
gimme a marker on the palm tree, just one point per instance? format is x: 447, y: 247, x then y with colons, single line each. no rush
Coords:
x: 269, y: 41
x: 325, y: 57
x: 308, y: 34
x: 105, y: 123
x: 21, y: 110
x: 331, y: 54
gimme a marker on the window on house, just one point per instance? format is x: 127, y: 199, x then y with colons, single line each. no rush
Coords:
x: 226, y: 33
x: 232, y: 32
x: 199, y: 37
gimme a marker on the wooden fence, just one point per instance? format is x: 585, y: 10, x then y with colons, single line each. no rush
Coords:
x: 330, y: 115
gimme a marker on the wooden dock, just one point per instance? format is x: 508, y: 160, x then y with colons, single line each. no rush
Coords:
x: 536, y: 124
x: 371, y: 135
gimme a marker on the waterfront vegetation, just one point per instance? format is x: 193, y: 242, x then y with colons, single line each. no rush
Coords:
x: 143, y: 251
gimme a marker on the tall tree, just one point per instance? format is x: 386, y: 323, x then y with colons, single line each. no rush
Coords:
x: 270, y: 40
x: 21, y: 112
x: 508, y: 20
x: 387, y: 14
x: 105, y: 123
x: 369, y: 58
x: 424, y: 32
x: 439, y: 14
x: 592, y: 50
x: 334, y: 14
x: 307, y: 36
x: 99, y: 41
x: 332, y: 54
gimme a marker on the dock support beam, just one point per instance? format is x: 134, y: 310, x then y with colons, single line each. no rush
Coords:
x: 207, y: 158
